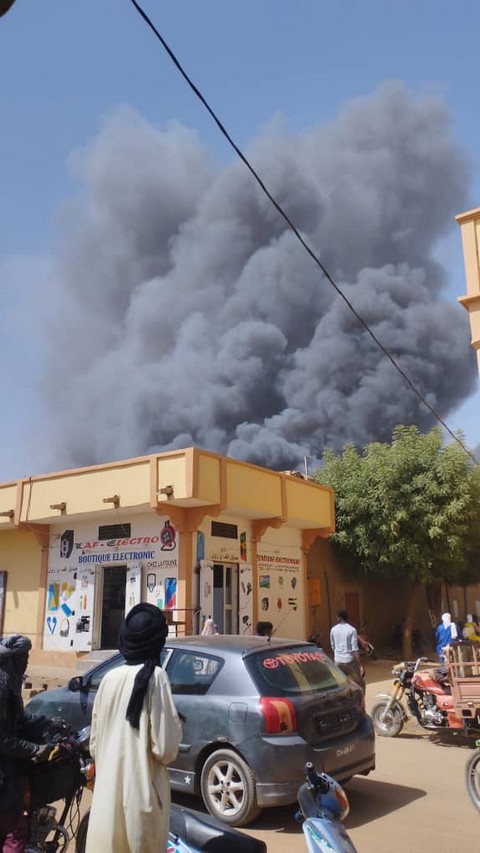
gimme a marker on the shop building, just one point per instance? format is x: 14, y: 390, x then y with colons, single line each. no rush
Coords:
x: 190, y: 531
x: 470, y: 229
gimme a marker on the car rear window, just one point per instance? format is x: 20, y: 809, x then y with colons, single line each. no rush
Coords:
x: 293, y: 671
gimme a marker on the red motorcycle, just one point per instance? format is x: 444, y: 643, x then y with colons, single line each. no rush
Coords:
x: 428, y: 698
x: 364, y: 645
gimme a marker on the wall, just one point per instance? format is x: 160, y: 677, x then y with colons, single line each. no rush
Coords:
x: 281, y: 582
x: 382, y: 603
x: 76, y: 558
x: 276, y: 562
x: 470, y: 229
x: 21, y: 557
x: 460, y: 600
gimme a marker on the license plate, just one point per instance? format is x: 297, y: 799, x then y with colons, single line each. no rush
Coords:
x: 346, y: 750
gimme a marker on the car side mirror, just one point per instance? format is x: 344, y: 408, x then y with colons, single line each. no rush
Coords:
x: 75, y: 684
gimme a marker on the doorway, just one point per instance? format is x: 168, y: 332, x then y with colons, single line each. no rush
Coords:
x: 352, y: 606
x: 225, y: 598
x: 113, y: 605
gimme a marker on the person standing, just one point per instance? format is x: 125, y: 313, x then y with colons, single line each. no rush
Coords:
x: 344, y: 643
x: 445, y: 632
x: 209, y: 628
x: 470, y: 628
x: 265, y: 629
x: 135, y: 734
x: 14, y: 749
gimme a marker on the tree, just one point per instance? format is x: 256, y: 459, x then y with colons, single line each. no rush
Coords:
x: 407, y: 510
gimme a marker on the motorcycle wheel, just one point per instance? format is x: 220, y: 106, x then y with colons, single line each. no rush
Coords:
x: 472, y: 778
x: 388, y: 724
x: 81, y: 837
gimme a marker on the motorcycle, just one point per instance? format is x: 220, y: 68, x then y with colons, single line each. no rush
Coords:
x: 428, y: 699
x: 397, y: 638
x: 472, y: 777
x: 193, y: 832
x: 69, y: 770
x: 323, y: 805
x: 189, y: 832
x: 64, y: 776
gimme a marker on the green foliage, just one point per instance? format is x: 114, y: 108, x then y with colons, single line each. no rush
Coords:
x: 409, y: 509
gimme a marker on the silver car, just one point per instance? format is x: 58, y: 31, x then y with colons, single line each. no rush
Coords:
x: 254, y: 711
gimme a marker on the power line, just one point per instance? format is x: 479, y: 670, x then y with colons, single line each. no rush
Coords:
x: 295, y: 230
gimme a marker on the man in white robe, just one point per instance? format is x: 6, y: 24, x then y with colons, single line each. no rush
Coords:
x: 135, y: 734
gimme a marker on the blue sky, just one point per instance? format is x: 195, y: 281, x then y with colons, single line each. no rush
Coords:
x: 64, y: 66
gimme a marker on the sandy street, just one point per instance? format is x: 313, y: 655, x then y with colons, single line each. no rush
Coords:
x: 414, y: 802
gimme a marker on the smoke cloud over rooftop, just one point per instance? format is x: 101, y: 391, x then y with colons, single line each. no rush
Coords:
x: 190, y: 314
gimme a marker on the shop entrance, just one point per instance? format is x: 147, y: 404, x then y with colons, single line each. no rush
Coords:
x: 114, y: 584
x: 352, y: 606
x: 225, y: 598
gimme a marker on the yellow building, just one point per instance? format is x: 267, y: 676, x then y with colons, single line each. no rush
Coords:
x: 470, y: 229
x: 190, y: 531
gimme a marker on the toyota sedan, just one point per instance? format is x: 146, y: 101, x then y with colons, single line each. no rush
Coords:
x: 254, y: 711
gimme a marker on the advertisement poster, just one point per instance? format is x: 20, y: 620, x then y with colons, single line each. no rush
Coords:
x: 245, y: 601
x: 280, y: 589
x: 206, y: 589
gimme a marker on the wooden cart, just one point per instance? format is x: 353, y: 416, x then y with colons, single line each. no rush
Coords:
x: 463, y: 662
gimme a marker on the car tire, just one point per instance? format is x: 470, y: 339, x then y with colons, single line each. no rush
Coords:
x: 227, y: 786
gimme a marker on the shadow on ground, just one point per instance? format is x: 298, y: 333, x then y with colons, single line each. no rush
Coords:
x: 281, y: 819
x: 369, y: 800
x: 441, y: 738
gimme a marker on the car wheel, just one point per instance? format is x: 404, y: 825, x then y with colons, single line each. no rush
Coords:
x: 228, y: 788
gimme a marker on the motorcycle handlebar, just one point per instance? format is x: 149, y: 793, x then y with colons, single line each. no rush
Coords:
x: 316, y: 780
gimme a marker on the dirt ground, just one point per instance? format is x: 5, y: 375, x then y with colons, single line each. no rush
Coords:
x: 414, y: 802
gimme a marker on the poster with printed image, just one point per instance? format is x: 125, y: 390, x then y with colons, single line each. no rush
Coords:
x: 245, y: 601
x: 84, y: 602
x: 206, y: 590
x: 60, y: 607
x: 133, y: 586
x: 160, y: 582
x: 280, y: 589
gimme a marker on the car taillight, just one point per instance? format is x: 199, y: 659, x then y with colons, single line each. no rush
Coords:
x: 279, y: 715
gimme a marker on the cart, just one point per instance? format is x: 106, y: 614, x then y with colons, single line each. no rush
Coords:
x: 463, y: 663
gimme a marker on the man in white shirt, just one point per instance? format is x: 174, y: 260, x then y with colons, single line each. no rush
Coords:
x: 344, y: 643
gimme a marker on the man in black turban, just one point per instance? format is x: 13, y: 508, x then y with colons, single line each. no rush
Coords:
x: 14, y: 749
x: 135, y: 734
x: 142, y: 638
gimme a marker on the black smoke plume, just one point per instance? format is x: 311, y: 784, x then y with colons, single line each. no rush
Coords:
x: 191, y: 315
